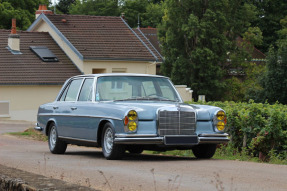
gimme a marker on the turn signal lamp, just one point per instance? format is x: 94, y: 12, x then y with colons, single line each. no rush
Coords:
x: 131, y: 121
x: 219, y: 120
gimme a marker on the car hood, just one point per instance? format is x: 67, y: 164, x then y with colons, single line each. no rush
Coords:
x: 147, y: 110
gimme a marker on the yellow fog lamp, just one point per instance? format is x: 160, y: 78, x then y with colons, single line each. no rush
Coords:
x: 219, y: 120
x: 220, y: 126
x: 132, y: 126
x: 131, y: 121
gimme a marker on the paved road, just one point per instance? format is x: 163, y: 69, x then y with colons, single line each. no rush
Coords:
x: 87, y: 167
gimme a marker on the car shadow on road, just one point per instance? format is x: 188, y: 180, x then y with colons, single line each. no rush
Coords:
x: 131, y: 157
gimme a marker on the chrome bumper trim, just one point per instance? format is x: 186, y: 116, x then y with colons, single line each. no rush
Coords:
x: 213, y: 140
x: 139, y: 140
x: 38, y: 128
x: 135, y: 135
x: 213, y: 135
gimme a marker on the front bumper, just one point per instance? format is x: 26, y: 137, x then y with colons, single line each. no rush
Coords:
x: 154, y: 139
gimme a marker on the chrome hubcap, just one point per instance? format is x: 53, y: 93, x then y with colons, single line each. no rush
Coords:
x: 53, y: 137
x: 108, y: 140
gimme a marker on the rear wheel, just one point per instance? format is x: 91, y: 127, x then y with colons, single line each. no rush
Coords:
x: 204, y: 151
x: 56, y: 145
x: 111, y: 151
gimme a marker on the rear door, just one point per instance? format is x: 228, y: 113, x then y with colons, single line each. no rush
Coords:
x: 65, y: 110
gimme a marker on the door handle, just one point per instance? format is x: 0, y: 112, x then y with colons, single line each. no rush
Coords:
x: 73, y: 108
x: 55, y: 107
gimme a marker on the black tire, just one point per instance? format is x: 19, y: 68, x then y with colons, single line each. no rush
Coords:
x: 56, y: 145
x: 204, y: 151
x: 135, y: 149
x: 110, y: 150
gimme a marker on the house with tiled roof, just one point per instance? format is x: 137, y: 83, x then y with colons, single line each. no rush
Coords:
x: 26, y: 80
x: 35, y: 63
x: 100, y: 44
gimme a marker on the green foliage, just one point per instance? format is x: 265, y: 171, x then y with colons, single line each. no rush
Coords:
x: 259, y: 128
x: 196, y: 37
x: 98, y: 8
x: 270, y: 14
x: 22, y: 10
x: 64, y: 5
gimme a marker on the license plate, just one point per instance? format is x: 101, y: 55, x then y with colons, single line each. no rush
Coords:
x: 180, y: 140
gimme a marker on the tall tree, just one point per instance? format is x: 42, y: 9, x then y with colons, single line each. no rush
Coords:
x: 64, y: 5
x: 275, y: 81
x: 22, y: 10
x: 270, y: 14
x: 196, y: 36
x: 99, y: 8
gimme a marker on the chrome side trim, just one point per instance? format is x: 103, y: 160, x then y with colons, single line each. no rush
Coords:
x: 213, y: 135
x: 102, y: 117
x: 139, y: 140
x: 85, y: 140
x: 134, y: 135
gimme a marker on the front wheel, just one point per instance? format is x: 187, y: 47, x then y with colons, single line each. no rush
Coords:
x: 204, y: 151
x: 56, y: 145
x: 111, y: 151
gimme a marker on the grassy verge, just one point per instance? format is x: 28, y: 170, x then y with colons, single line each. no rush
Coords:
x: 30, y: 133
x: 226, y: 153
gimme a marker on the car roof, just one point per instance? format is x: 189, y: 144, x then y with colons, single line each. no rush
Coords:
x: 118, y: 74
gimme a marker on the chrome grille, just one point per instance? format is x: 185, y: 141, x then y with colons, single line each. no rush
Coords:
x: 176, y: 122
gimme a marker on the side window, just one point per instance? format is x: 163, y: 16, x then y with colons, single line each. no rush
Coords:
x: 73, y: 90
x: 63, y: 96
x: 87, y: 90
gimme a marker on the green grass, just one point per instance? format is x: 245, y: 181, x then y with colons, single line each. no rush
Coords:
x: 228, y: 153
x: 30, y: 133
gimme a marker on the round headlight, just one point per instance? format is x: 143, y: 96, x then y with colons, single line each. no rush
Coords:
x: 132, y: 126
x: 220, y: 115
x: 132, y: 115
x: 220, y: 125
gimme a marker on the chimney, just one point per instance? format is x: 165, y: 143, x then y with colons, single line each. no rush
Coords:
x: 43, y: 9
x: 14, y: 38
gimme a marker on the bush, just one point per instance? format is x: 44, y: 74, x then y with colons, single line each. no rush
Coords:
x: 258, y: 128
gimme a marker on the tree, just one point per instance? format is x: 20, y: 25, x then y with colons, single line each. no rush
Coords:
x: 134, y: 9
x: 64, y: 5
x: 99, y: 8
x: 22, y: 10
x: 196, y: 37
x: 275, y: 81
x: 268, y: 20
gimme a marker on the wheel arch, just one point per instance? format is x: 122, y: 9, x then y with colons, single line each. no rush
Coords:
x: 100, y: 130
x: 48, y: 126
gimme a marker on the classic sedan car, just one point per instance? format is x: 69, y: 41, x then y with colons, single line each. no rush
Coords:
x: 129, y: 112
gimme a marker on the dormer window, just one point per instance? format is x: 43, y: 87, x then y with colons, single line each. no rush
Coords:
x: 44, y: 53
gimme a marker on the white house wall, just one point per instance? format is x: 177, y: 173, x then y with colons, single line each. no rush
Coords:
x: 120, y: 66
x: 25, y: 100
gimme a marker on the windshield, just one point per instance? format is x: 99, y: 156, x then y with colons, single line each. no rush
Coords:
x: 121, y: 88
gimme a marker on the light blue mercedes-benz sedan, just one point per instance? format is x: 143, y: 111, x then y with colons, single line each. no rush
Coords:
x: 129, y: 112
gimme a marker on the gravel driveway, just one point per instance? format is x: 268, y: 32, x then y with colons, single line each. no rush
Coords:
x: 87, y: 167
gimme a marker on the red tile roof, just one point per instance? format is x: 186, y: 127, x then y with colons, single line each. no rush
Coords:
x: 28, y: 68
x: 151, y: 34
x: 101, y: 37
x: 149, y: 37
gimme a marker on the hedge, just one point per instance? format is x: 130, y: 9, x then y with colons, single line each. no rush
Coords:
x: 260, y: 128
